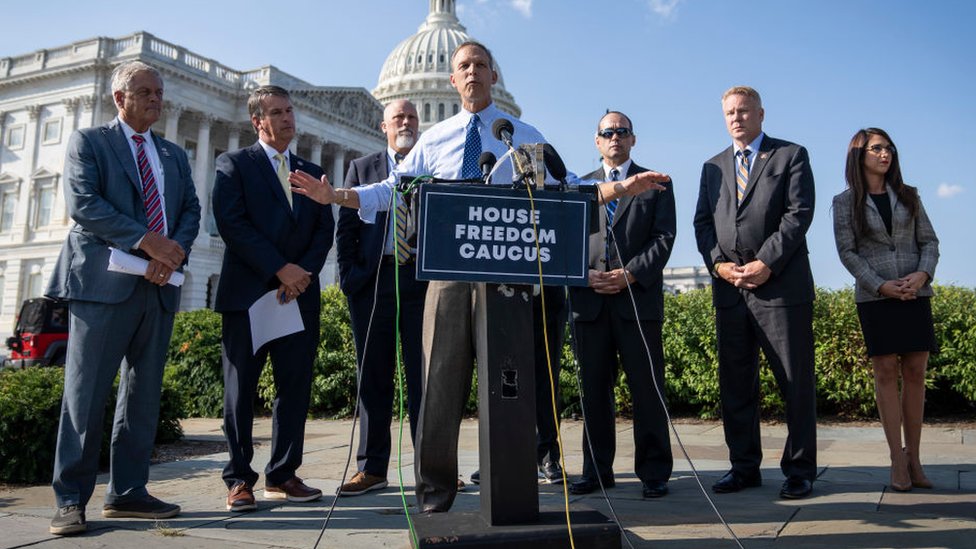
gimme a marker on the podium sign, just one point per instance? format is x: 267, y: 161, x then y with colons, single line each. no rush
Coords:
x: 483, y: 233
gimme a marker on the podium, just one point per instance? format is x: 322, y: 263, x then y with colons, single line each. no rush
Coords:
x: 495, y: 236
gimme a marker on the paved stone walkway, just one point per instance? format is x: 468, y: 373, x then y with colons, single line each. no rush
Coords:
x: 851, y: 506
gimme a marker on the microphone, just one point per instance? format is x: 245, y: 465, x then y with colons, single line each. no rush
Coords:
x: 487, y: 162
x: 503, y: 130
x: 554, y: 164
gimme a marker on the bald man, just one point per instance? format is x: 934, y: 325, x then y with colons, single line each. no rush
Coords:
x: 368, y: 273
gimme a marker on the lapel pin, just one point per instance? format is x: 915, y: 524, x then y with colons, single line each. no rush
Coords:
x: 164, y: 151
x: 762, y: 156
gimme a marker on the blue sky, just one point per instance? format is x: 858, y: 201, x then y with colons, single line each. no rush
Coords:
x: 824, y: 68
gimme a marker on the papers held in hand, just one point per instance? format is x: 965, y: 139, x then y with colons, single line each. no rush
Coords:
x: 271, y: 319
x: 122, y: 262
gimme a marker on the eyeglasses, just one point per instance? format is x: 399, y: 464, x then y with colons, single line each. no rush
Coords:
x: 878, y: 149
x: 607, y: 133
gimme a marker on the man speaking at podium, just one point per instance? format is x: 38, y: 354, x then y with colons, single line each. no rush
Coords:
x: 450, y: 150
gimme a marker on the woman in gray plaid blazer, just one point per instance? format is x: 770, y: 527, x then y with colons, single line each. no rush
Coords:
x: 887, y: 242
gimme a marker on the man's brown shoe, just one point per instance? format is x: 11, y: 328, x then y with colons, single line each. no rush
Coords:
x: 292, y: 489
x: 361, y: 483
x: 241, y: 498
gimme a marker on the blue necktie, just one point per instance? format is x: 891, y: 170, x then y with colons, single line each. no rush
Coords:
x: 472, y: 150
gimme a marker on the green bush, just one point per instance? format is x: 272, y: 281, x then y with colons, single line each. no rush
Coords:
x: 194, y: 365
x: 30, y: 410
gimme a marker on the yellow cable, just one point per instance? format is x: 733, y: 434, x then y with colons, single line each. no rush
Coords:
x: 552, y: 384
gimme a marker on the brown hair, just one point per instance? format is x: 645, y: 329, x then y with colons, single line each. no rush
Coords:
x: 858, y: 185
x: 258, y: 95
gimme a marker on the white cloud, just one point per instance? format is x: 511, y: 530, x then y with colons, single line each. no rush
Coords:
x: 947, y: 190
x: 523, y: 6
x: 664, y: 8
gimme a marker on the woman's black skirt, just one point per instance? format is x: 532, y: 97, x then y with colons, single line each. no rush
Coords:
x: 892, y: 326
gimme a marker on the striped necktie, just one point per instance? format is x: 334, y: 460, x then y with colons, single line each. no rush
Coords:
x: 472, y: 150
x: 150, y: 193
x: 283, y: 176
x: 402, y: 250
x: 741, y: 174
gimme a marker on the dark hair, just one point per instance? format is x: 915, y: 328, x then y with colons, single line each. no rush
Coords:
x: 856, y: 181
x: 473, y: 44
x: 618, y: 113
x: 254, y: 101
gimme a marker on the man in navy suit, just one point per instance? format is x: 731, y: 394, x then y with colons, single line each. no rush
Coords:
x: 128, y: 189
x: 371, y: 277
x: 275, y: 241
x: 626, y: 263
x: 755, y: 205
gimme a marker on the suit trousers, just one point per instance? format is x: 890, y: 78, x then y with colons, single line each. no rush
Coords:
x: 785, y: 335
x: 291, y: 361
x: 134, y: 334
x: 547, y: 425
x: 599, y: 341
x: 449, y: 340
x: 373, y: 314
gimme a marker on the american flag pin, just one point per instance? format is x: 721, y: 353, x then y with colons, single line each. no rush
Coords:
x: 164, y: 151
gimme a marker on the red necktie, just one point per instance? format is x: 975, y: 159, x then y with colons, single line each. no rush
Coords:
x: 150, y: 194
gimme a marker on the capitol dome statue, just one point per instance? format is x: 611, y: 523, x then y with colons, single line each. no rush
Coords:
x: 419, y: 69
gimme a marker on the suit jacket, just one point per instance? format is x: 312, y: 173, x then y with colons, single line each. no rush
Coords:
x: 876, y: 256
x: 644, y: 227
x: 769, y: 225
x: 359, y: 246
x: 103, y: 194
x: 262, y: 233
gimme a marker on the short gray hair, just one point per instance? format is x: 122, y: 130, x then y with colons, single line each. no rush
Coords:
x: 254, y: 107
x: 123, y: 74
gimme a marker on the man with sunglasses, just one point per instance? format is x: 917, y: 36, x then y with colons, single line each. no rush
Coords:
x: 620, y: 309
x: 755, y: 205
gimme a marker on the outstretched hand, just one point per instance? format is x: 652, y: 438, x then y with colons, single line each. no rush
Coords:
x: 319, y: 190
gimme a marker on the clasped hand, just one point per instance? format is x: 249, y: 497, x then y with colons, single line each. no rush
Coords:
x: 749, y: 276
x: 165, y: 256
x: 610, y: 282
x: 294, y: 281
x: 904, y: 288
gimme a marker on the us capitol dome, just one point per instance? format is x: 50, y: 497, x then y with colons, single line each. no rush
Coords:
x: 419, y: 69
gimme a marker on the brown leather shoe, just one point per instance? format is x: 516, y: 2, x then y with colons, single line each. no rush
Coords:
x: 292, y: 489
x: 361, y: 483
x: 241, y: 498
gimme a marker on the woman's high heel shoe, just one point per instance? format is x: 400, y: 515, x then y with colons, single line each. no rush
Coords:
x: 915, y: 472
x: 900, y: 473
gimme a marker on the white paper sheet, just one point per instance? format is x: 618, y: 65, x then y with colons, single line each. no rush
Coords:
x: 122, y: 262
x: 271, y: 319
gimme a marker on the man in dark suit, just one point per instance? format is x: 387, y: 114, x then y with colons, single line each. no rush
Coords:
x: 125, y: 188
x: 275, y: 241
x: 755, y: 205
x: 371, y: 277
x: 625, y: 273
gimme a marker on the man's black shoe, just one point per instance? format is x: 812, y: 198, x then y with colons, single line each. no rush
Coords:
x: 733, y: 482
x: 796, y: 488
x: 476, y: 477
x: 551, y: 472
x: 586, y: 485
x: 655, y: 489
x: 146, y: 507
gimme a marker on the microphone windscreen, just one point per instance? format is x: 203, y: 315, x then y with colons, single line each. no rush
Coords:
x: 555, y: 164
x: 486, y: 160
x: 502, y: 125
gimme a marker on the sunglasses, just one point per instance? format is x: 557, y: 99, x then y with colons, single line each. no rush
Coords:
x: 621, y: 132
x: 878, y: 149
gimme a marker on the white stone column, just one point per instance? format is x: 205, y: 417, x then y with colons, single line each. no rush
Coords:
x: 338, y: 163
x: 233, y: 137
x: 3, y: 128
x: 88, y: 107
x: 315, y: 150
x: 173, y: 112
x: 202, y: 169
x: 70, y: 112
x: 71, y: 105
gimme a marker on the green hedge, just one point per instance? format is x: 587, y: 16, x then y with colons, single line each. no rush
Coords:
x: 30, y: 409
x: 845, y: 384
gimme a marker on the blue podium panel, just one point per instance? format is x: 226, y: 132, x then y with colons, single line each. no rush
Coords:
x: 481, y: 233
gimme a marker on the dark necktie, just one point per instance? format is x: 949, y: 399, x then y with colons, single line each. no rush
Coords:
x: 402, y: 246
x: 472, y: 150
x: 742, y: 175
x: 150, y: 193
x: 611, y: 209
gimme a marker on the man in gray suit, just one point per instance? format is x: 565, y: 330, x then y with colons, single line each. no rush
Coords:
x: 128, y: 189
x: 755, y: 205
